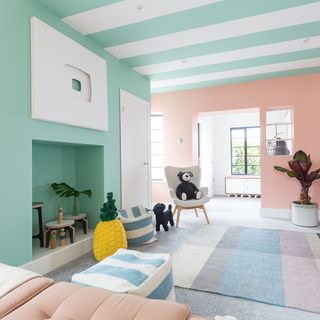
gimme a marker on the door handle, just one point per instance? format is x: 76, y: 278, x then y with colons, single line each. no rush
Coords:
x: 145, y: 163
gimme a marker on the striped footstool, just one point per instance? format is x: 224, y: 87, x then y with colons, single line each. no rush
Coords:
x: 128, y: 271
x: 139, y: 224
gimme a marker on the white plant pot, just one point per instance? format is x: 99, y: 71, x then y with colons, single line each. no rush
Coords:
x: 305, y: 215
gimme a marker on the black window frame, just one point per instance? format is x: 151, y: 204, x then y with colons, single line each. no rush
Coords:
x: 245, y: 151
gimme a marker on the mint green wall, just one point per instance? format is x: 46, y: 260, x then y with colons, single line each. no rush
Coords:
x: 17, y: 130
x: 89, y: 175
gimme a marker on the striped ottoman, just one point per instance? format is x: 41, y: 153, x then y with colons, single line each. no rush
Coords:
x: 139, y: 224
x: 128, y: 271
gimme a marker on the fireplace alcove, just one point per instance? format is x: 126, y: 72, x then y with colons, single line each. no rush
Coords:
x: 81, y: 166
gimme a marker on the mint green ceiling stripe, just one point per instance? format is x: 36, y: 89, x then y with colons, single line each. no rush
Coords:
x: 225, y: 11
x: 237, y: 80
x: 64, y: 8
x: 190, y: 19
x: 246, y: 63
x: 251, y: 40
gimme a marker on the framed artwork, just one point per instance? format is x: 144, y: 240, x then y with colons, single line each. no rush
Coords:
x: 69, y: 82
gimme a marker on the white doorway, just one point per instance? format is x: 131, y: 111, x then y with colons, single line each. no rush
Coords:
x: 229, y: 152
x: 135, y: 151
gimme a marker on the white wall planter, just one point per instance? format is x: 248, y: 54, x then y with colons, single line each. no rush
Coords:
x: 304, y: 215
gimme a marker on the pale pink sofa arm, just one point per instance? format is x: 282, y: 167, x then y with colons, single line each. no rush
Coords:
x: 22, y: 294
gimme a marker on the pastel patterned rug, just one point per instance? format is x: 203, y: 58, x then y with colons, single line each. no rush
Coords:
x: 270, y: 266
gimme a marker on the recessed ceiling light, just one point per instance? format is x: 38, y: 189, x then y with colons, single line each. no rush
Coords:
x: 140, y: 7
x: 184, y: 61
x: 306, y: 40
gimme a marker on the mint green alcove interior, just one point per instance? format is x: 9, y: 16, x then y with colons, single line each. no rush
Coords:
x: 80, y: 166
x: 35, y: 153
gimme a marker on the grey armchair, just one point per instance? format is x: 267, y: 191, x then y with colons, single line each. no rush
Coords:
x: 173, y: 181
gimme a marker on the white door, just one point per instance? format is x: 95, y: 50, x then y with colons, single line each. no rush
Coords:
x: 135, y: 151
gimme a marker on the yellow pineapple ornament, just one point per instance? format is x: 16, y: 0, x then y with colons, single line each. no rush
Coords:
x: 109, y: 234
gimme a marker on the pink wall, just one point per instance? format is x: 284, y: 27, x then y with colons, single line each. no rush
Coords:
x: 302, y: 93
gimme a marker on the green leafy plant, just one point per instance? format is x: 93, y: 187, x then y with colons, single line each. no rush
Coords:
x: 299, y: 169
x: 109, y: 210
x: 63, y: 190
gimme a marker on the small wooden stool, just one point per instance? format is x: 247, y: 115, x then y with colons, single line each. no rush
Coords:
x: 54, y: 225
x: 82, y: 218
x: 38, y: 206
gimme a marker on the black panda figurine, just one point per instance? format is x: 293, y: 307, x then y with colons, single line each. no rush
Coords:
x: 187, y: 190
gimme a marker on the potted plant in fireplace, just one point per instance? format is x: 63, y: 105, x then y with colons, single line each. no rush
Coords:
x: 303, y: 212
x: 65, y: 191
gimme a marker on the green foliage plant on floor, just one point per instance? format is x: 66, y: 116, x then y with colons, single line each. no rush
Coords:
x: 299, y: 169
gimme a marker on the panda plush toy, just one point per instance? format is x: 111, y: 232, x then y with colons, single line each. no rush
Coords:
x: 187, y: 190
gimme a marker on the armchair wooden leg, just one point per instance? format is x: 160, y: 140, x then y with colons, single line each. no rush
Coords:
x: 175, y: 210
x: 178, y: 216
x: 205, y: 213
x: 195, y: 210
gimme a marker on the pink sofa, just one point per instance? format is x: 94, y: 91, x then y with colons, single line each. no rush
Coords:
x: 40, y: 299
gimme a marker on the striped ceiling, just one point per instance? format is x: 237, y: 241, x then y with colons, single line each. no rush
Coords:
x: 184, y: 44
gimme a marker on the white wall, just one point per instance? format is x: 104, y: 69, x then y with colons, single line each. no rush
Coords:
x: 215, y: 146
x: 206, y: 159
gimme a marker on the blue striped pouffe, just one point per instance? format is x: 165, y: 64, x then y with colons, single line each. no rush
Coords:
x: 139, y: 224
x: 128, y: 271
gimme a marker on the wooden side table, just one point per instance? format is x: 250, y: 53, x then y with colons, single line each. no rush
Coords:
x: 54, y: 225
x: 82, y: 218
x: 38, y: 206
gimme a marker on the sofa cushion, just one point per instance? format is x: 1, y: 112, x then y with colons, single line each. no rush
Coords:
x: 67, y: 301
x: 129, y: 271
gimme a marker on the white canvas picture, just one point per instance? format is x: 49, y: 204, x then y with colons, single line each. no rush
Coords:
x: 69, y: 82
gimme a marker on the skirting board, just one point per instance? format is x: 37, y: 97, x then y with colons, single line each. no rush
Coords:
x: 277, y: 213
x: 58, y: 258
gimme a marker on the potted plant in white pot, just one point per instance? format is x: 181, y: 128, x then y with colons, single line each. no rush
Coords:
x: 303, y: 212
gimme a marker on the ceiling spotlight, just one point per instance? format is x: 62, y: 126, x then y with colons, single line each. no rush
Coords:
x: 140, y: 7
x: 305, y: 41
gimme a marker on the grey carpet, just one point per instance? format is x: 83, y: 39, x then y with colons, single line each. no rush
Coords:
x: 201, y: 303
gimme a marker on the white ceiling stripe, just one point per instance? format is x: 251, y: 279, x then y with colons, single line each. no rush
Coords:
x: 258, y: 23
x: 285, y: 66
x: 230, y: 56
x: 127, y: 12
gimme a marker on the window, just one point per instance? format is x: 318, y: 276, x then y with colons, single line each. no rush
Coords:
x: 245, y: 151
x: 279, y: 129
x: 157, y: 168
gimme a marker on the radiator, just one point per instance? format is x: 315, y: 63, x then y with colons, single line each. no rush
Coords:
x: 249, y: 186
